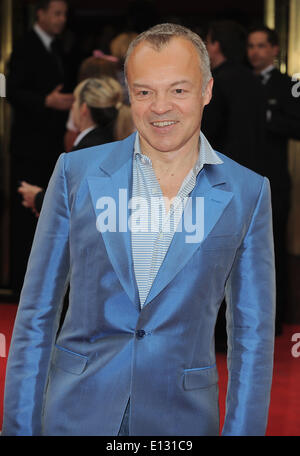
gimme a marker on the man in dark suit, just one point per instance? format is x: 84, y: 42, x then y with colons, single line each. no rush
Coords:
x: 281, y: 123
x: 232, y: 122
x: 34, y: 90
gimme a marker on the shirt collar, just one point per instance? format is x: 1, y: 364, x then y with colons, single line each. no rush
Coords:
x: 44, y: 36
x: 267, y: 70
x: 83, y: 134
x: 207, y: 156
x: 266, y: 74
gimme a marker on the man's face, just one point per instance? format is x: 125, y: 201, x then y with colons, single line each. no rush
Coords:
x: 53, y: 19
x: 261, y: 53
x: 166, y: 95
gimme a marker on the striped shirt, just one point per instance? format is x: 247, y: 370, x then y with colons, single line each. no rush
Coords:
x: 152, y: 229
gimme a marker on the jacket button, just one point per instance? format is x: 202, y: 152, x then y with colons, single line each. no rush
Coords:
x: 140, y: 333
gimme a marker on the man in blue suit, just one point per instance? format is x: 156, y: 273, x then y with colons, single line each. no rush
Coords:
x: 150, y: 233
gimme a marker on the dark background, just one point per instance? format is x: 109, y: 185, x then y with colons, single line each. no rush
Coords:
x: 95, y: 22
x: 92, y: 24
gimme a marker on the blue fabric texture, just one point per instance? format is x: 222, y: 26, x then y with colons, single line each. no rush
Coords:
x: 161, y: 356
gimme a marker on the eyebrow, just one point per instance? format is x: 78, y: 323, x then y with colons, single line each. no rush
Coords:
x: 182, y: 81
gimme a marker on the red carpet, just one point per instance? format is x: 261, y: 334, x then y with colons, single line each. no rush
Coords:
x: 7, y: 317
x: 284, y: 412
x: 284, y: 416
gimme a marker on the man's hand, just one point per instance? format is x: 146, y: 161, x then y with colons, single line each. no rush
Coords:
x: 29, y: 193
x: 58, y: 100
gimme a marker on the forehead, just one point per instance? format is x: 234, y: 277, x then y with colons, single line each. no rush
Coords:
x: 258, y: 37
x: 178, y: 57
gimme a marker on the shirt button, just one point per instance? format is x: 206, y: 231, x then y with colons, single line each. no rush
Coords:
x: 140, y: 333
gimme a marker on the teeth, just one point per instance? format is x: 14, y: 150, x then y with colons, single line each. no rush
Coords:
x: 163, y: 124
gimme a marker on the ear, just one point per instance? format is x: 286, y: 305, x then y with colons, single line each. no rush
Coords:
x: 208, y: 92
x: 84, y: 109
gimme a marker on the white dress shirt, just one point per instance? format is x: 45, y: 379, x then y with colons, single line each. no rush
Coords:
x: 44, y: 36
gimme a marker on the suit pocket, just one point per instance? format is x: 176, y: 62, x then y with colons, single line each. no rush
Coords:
x: 69, y: 361
x: 223, y: 242
x: 203, y: 377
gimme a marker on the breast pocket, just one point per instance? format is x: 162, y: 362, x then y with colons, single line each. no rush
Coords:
x: 202, y: 377
x: 222, y: 242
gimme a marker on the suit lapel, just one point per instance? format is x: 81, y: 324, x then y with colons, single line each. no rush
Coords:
x: 209, y: 201
x: 115, y: 184
x: 113, y: 188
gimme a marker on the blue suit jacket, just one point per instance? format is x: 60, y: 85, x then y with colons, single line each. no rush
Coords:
x: 162, y: 357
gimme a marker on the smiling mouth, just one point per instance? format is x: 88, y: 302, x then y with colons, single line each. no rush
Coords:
x: 164, y: 123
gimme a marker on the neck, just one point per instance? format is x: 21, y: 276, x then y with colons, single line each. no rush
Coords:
x: 173, y: 162
x: 86, y: 123
x: 260, y: 70
x: 44, y: 30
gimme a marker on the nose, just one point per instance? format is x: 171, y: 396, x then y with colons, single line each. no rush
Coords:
x: 161, y: 104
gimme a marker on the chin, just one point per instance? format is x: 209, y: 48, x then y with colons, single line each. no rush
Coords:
x: 164, y: 148
x: 57, y: 30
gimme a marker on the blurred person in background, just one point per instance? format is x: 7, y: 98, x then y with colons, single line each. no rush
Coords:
x: 281, y: 122
x: 233, y: 120
x: 118, y: 48
x: 35, y: 86
x: 100, y: 115
x: 97, y: 65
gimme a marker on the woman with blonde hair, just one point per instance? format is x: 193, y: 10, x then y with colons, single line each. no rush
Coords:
x: 98, y: 65
x: 100, y: 115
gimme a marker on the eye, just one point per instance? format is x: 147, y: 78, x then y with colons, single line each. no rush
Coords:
x: 142, y: 94
x: 180, y: 92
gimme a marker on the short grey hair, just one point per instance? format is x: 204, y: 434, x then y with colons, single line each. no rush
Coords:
x: 159, y: 36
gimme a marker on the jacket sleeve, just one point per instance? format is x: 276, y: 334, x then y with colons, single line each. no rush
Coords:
x: 38, y: 313
x: 250, y: 314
